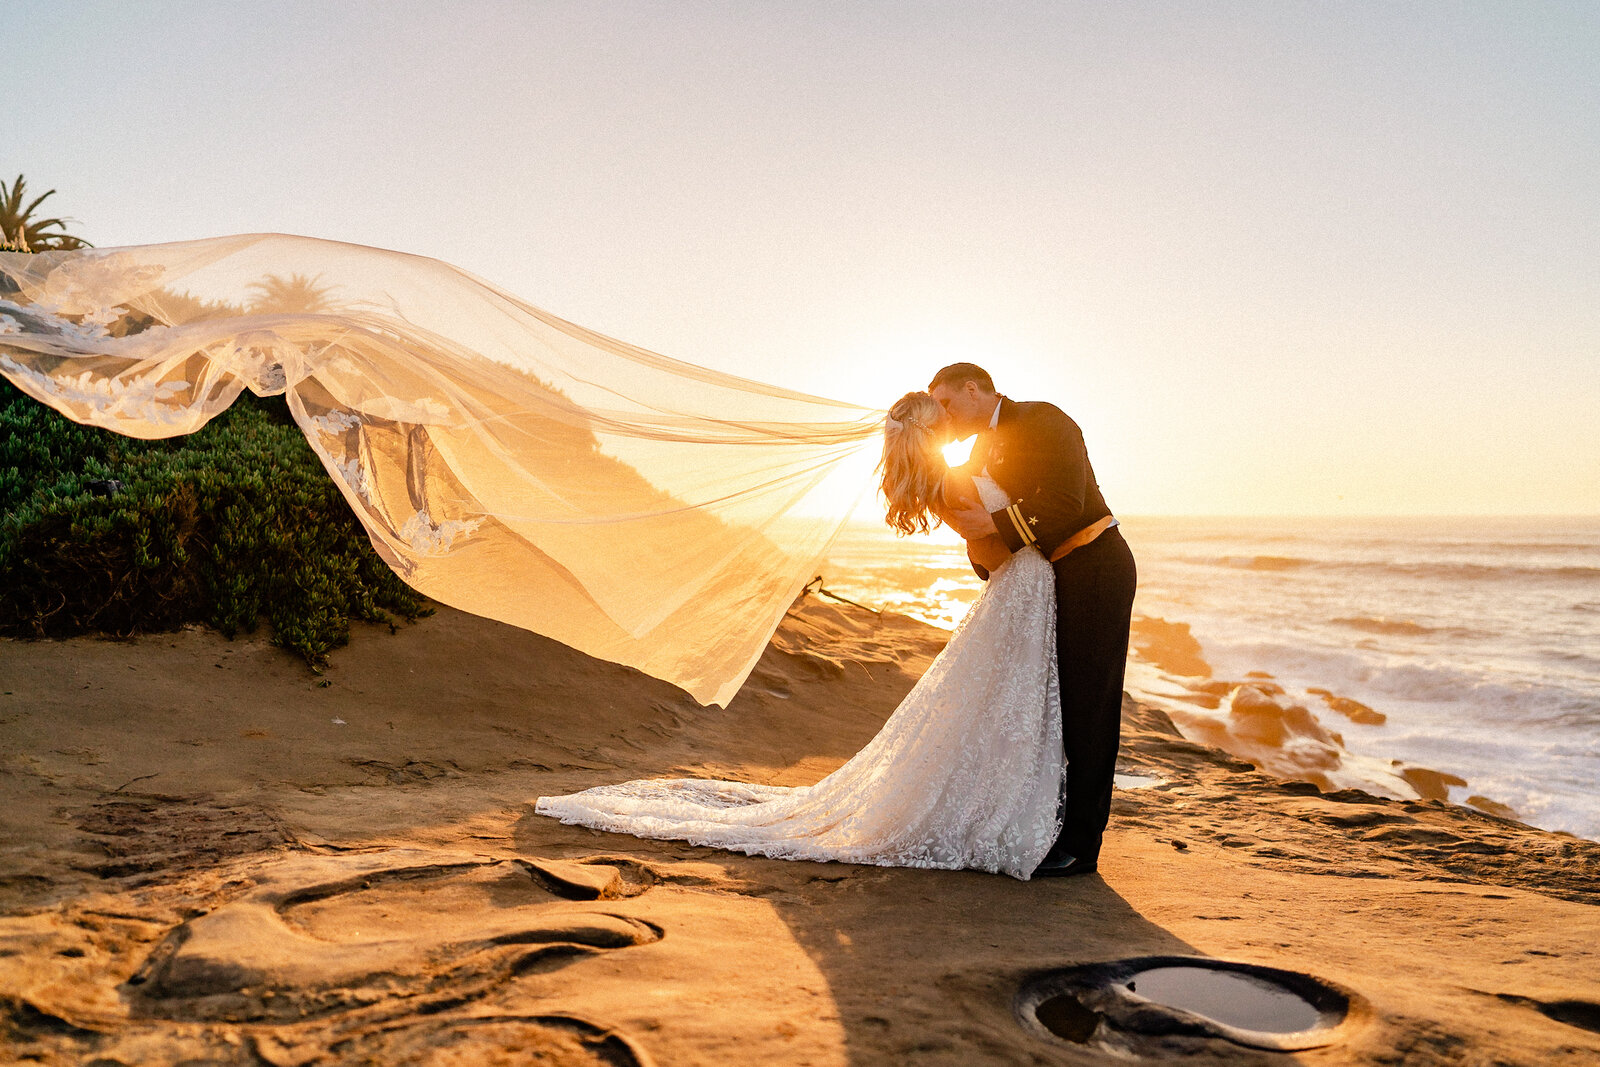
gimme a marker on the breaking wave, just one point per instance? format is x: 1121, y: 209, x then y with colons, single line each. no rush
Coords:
x: 1400, y: 627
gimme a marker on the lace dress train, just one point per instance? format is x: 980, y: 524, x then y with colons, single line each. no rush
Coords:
x: 965, y: 774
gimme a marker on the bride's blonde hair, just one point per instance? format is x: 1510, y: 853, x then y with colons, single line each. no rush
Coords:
x: 913, y: 467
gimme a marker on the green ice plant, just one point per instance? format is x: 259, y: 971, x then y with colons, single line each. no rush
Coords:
x: 230, y: 525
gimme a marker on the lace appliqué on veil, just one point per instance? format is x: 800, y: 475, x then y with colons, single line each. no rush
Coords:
x: 965, y: 774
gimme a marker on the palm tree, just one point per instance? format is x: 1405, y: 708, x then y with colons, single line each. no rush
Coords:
x: 21, y: 231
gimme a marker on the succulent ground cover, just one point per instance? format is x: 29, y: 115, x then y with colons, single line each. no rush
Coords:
x: 228, y: 526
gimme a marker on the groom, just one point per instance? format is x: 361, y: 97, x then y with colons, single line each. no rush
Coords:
x: 1036, y: 454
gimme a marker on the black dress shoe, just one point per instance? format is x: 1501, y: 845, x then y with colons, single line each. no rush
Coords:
x: 1064, y: 866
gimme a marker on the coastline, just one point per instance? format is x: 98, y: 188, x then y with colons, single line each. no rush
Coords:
x: 1257, y: 719
x: 188, y: 822
x: 1456, y: 652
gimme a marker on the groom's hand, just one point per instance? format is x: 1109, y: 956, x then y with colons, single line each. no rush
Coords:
x: 971, y: 522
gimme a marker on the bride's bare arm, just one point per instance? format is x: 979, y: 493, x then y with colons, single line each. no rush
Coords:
x: 988, y: 552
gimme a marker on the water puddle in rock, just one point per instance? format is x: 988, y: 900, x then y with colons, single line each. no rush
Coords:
x: 1233, y: 998
x: 1137, y: 781
x: 1153, y: 997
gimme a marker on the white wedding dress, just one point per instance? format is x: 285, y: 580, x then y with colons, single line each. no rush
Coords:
x: 965, y: 774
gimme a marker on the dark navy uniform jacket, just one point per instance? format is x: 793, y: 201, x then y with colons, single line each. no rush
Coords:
x: 1036, y: 454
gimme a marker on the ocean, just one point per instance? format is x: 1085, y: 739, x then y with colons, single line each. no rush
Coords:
x: 1478, y: 639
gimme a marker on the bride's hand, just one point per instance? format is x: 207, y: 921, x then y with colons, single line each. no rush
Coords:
x: 959, y: 507
x: 971, y: 521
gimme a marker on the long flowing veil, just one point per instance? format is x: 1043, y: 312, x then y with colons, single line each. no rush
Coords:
x: 503, y: 461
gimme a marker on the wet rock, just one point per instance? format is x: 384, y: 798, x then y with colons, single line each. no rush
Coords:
x: 1353, y: 710
x: 1170, y: 646
x: 1492, y: 807
x: 1255, y: 716
x: 1430, y: 784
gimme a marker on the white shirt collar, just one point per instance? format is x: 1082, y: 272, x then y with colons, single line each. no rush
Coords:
x: 994, y: 419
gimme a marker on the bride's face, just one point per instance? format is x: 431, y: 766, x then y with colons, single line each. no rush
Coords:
x: 966, y: 407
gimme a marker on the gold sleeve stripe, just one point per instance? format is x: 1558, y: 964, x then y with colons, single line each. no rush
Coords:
x: 1022, y: 526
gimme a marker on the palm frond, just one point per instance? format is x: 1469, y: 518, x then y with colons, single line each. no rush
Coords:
x: 41, y: 198
x: 18, y: 227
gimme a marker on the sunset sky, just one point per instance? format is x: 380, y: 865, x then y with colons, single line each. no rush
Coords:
x: 1274, y: 257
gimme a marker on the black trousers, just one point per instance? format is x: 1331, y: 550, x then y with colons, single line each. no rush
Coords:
x: 1094, y: 605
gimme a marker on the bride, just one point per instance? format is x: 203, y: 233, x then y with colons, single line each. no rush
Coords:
x: 510, y: 463
x: 968, y: 770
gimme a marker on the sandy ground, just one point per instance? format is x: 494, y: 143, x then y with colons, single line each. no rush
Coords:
x: 210, y: 854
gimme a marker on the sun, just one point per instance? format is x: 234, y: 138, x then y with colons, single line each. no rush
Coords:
x: 958, y: 452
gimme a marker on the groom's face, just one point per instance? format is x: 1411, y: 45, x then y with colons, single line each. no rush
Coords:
x: 967, y: 406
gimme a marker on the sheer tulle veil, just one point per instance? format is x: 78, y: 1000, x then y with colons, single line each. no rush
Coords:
x: 503, y: 461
